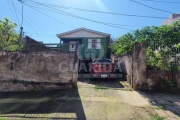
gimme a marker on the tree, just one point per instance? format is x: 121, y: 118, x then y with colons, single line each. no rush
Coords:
x: 8, y: 35
x: 163, y: 44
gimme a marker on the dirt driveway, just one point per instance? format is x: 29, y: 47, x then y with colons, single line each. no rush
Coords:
x: 91, y: 100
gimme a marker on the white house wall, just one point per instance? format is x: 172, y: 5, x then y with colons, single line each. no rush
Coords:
x: 81, y: 33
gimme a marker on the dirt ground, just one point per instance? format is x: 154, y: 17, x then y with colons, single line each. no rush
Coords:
x: 91, y: 100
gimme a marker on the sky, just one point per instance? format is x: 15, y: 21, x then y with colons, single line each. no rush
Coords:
x: 43, y: 25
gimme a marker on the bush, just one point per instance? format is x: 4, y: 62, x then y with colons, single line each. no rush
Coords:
x: 169, y: 83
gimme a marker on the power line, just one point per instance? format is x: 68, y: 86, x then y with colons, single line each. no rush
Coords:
x: 34, y: 23
x: 33, y: 29
x: 50, y: 16
x: 43, y: 34
x: 11, y: 10
x: 29, y: 24
x: 172, y: 2
x: 151, y: 7
x: 22, y: 14
x: 72, y: 15
x: 95, y: 11
x: 50, y: 35
x: 15, y: 12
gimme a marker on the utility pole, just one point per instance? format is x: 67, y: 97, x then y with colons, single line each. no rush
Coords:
x: 20, y: 38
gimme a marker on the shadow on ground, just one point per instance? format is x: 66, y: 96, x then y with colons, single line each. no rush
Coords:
x: 110, y: 83
x: 164, y: 101
x: 57, y: 102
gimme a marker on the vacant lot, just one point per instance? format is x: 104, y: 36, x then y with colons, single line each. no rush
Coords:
x: 97, y: 100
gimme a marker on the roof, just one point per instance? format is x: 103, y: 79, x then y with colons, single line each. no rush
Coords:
x: 30, y: 40
x: 74, y: 33
x: 172, y: 18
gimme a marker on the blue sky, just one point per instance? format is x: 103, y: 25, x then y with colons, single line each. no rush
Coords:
x: 43, y: 28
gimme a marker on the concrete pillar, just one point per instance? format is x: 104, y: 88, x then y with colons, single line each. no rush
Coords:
x: 139, y: 66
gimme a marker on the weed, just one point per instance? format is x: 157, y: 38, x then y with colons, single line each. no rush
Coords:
x: 160, y: 107
x: 156, y: 117
x: 169, y: 83
x: 100, y: 87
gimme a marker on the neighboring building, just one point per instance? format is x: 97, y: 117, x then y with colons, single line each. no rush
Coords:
x: 172, y: 18
x: 33, y: 45
x: 88, y: 43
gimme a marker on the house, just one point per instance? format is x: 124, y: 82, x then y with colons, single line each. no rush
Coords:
x: 88, y: 43
x: 172, y: 18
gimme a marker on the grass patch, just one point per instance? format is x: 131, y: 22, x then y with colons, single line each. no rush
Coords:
x: 160, y: 107
x: 156, y: 117
x: 126, y: 85
x: 100, y: 87
x: 4, y: 118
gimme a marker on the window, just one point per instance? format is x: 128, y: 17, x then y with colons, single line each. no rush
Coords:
x: 94, y: 44
x: 72, y: 46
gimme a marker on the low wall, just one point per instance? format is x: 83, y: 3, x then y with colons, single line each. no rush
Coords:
x: 125, y: 61
x: 36, y: 67
x: 134, y: 65
x: 155, y: 78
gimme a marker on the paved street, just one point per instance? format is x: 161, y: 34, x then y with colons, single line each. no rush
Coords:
x: 91, y: 100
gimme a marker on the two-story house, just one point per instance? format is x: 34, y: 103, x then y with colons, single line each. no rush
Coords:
x: 88, y: 43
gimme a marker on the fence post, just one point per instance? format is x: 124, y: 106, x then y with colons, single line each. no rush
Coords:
x: 139, y: 66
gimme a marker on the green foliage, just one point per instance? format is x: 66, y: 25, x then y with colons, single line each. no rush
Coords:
x: 100, y: 87
x: 8, y: 36
x: 179, y: 68
x: 123, y: 45
x: 163, y: 45
x: 156, y: 117
x: 167, y: 35
x: 160, y: 107
x: 169, y: 83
